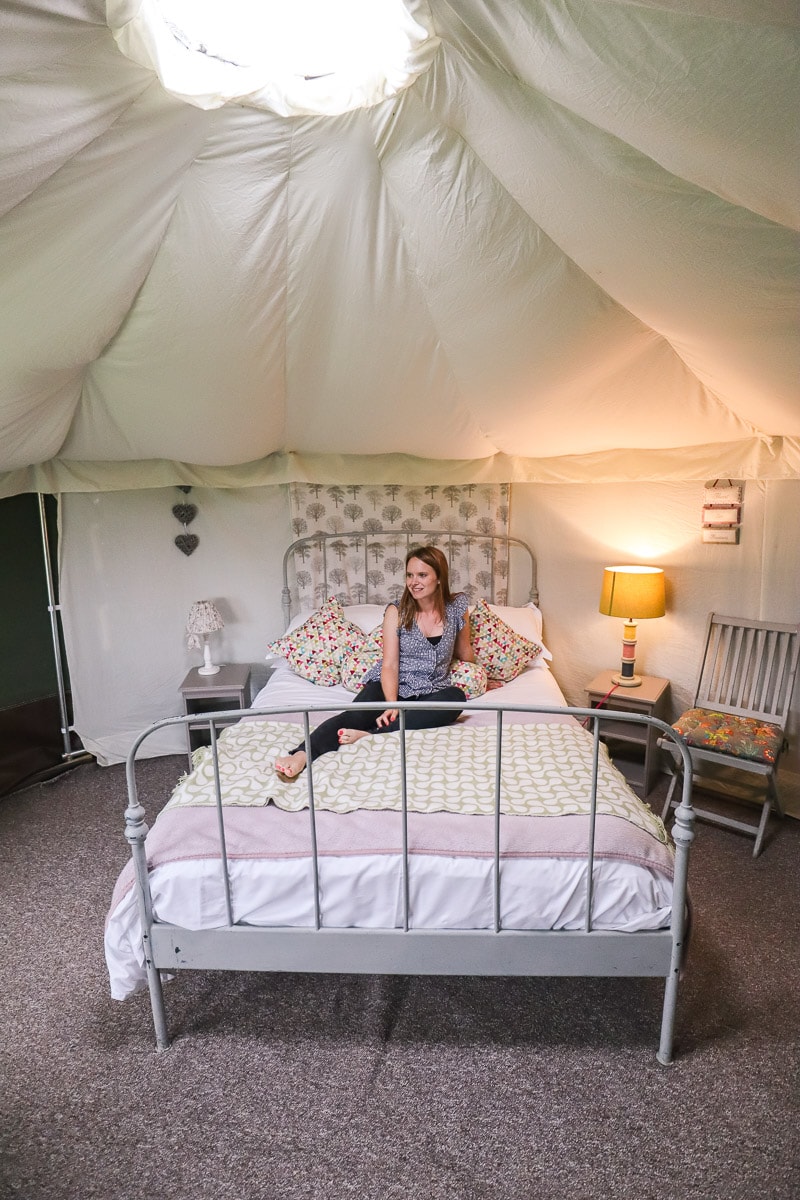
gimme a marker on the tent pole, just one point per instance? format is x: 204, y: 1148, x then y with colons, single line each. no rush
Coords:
x: 54, y: 609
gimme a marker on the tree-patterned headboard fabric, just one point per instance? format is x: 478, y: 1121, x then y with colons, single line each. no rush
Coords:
x: 478, y: 562
x: 352, y: 539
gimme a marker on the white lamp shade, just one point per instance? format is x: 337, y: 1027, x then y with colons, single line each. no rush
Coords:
x: 204, y: 618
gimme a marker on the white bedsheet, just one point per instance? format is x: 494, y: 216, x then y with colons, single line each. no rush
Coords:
x: 366, y: 891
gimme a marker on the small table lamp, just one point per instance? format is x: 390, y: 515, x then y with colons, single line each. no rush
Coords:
x: 633, y: 593
x: 204, y: 619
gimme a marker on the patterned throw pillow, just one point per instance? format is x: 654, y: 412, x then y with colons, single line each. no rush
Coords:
x: 497, y: 647
x: 315, y: 649
x: 526, y: 621
x: 356, y: 664
x: 471, y: 677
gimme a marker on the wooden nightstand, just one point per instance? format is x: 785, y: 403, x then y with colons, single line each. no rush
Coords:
x: 633, y: 747
x: 228, y: 689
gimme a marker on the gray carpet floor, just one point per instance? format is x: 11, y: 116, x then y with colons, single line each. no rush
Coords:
x: 329, y: 1087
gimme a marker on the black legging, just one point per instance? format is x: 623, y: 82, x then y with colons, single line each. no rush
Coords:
x: 325, y: 737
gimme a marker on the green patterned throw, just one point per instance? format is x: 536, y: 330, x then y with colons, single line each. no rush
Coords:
x: 546, y: 771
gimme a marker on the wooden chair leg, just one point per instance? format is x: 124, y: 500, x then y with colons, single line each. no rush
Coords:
x: 772, y: 791
x: 762, y: 826
x: 676, y: 772
x: 772, y: 803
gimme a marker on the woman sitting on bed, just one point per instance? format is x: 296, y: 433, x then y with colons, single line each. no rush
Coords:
x: 421, y: 636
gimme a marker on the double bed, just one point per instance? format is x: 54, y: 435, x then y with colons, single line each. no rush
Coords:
x: 504, y: 844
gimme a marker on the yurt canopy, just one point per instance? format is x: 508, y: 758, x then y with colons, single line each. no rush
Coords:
x: 532, y: 240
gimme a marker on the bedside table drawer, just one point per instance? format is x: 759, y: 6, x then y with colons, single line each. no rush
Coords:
x: 623, y: 731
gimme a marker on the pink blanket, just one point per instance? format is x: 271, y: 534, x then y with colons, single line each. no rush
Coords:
x: 270, y: 833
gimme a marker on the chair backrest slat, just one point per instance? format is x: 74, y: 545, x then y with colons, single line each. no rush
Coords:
x: 765, y: 655
x: 769, y: 695
x: 738, y: 666
x: 752, y: 680
x: 749, y: 668
x: 719, y: 684
x: 785, y: 674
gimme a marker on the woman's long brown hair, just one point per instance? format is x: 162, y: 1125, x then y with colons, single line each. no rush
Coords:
x: 433, y: 558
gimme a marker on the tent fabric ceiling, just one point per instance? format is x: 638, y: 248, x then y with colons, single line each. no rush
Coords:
x: 568, y: 251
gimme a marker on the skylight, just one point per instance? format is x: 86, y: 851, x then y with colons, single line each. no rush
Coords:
x: 291, y: 56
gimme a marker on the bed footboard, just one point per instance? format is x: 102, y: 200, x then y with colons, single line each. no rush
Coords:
x: 404, y: 949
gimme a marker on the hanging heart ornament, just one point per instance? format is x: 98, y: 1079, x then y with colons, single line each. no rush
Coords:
x: 185, y: 513
x: 187, y: 543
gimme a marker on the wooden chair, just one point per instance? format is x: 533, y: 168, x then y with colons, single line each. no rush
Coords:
x: 740, y: 711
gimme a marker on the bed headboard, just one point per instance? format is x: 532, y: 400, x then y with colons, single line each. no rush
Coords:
x: 498, y: 552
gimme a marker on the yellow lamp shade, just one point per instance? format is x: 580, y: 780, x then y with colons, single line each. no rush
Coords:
x: 633, y: 592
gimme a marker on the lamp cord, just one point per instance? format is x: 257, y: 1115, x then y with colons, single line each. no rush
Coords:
x: 614, y: 687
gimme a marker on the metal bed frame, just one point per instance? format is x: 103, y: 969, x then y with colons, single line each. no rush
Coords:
x: 406, y: 950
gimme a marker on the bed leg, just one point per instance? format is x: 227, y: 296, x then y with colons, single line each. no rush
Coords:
x: 664, y: 1054
x: 683, y: 836
x: 135, y: 834
x: 157, y: 1006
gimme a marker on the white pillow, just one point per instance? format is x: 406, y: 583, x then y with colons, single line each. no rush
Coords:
x: 297, y: 621
x: 365, y: 616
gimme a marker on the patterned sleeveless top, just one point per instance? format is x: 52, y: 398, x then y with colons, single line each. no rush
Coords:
x: 425, y: 668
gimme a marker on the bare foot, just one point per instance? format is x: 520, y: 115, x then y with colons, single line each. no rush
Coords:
x: 289, y: 766
x: 348, y: 736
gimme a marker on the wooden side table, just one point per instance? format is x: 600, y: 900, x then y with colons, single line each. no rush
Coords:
x: 228, y: 689
x: 633, y: 747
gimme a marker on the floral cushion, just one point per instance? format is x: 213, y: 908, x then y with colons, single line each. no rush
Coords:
x: 497, y: 647
x: 356, y: 664
x: 315, y: 649
x: 741, y: 737
x: 525, y: 620
x: 471, y: 677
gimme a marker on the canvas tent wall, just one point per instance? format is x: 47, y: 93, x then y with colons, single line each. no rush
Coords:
x: 127, y: 590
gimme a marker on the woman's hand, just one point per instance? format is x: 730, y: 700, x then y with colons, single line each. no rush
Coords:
x: 387, y: 716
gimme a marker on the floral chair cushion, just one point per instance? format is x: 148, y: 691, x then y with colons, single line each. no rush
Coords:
x: 741, y: 737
